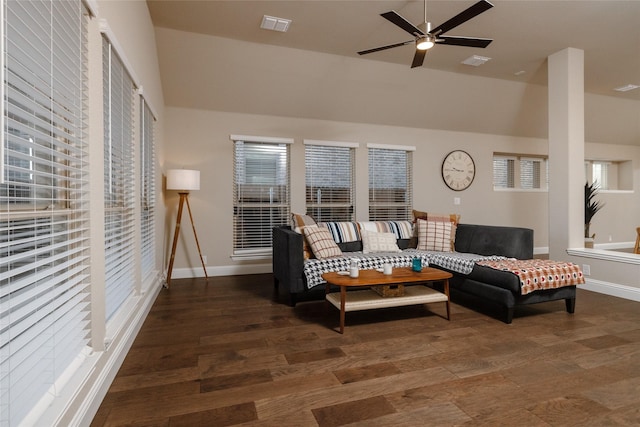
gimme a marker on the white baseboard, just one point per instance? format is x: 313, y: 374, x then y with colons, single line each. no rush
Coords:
x: 224, y: 270
x: 88, y: 397
x: 613, y: 289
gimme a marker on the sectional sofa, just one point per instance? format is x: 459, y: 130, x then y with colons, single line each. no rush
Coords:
x: 481, y: 259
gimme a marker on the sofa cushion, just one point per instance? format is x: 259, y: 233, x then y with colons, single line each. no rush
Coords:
x: 378, y: 242
x: 298, y: 222
x: 434, y: 236
x: 401, y: 229
x: 321, y: 242
x: 343, y: 232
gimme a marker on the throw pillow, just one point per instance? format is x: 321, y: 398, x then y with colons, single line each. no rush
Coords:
x: 453, y: 218
x: 434, y: 236
x: 321, y: 242
x: 378, y: 242
x: 343, y: 231
x: 298, y: 223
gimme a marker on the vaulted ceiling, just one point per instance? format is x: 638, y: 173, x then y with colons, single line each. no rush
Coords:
x: 524, y: 33
x: 314, y: 71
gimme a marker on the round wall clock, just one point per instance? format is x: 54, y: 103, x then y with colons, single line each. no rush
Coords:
x: 458, y: 170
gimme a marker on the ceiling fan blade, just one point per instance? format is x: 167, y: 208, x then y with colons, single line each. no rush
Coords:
x: 418, y: 58
x: 395, y: 18
x: 378, y: 49
x: 463, y: 41
x: 462, y: 17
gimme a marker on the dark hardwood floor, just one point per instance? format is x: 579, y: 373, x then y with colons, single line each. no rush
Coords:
x: 228, y: 353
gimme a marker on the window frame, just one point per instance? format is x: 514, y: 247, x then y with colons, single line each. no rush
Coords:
x: 45, y: 281
x: 119, y: 177
x: 147, y: 189
x: 324, y: 162
x: 392, y: 208
x: 514, y: 177
x: 260, y: 245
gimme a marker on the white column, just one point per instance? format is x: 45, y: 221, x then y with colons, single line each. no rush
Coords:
x: 566, y: 151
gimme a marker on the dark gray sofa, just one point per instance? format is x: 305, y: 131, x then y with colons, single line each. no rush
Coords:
x: 483, y: 284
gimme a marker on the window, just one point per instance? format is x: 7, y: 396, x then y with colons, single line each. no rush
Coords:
x: 390, y: 183
x: 519, y: 172
x: 147, y: 189
x: 329, y: 176
x: 610, y: 175
x: 598, y: 172
x: 44, y: 247
x: 260, y: 192
x: 118, y: 179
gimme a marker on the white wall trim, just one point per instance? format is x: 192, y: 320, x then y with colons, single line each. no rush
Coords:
x: 85, y: 401
x: 613, y: 289
x: 268, y: 139
x: 331, y: 143
x: 541, y: 250
x: 392, y: 147
x: 223, y: 270
x: 106, y: 30
x: 623, y: 257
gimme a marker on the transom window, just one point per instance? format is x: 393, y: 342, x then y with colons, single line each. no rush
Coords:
x: 519, y: 172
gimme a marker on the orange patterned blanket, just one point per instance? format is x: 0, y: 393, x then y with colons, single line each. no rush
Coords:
x: 536, y: 274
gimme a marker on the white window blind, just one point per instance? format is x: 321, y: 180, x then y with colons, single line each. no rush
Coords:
x: 260, y: 194
x: 390, y: 184
x: 533, y: 173
x: 147, y: 189
x: 44, y: 247
x: 504, y: 172
x: 119, y: 193
x: 329, y: 176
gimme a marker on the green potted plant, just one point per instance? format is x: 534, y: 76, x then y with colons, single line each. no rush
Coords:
x: 591, y: 207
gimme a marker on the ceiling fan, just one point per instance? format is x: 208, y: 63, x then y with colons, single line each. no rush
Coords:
x: 425, y: 40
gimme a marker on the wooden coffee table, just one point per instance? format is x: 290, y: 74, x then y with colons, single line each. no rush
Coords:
x: 368, y: 299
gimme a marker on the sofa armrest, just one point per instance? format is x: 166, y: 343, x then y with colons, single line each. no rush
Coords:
x: 288, y: 259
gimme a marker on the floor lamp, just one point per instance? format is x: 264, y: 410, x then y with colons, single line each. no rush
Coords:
x: 183, y: 181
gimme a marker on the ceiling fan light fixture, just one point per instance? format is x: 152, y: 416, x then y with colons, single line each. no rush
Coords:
x: 425, y: 42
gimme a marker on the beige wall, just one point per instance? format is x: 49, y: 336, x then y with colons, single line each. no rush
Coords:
x: 200, y: 139
x: 215, y: 87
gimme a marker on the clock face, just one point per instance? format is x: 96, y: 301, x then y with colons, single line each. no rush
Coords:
x: 458, y: 170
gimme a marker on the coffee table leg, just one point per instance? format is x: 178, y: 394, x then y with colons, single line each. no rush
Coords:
x: 446, y: 291
x: 343, y: 297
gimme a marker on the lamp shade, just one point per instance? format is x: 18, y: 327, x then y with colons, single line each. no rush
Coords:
x: 183, y: 179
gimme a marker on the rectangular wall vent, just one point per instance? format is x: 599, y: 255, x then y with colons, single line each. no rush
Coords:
x: 275, y: 24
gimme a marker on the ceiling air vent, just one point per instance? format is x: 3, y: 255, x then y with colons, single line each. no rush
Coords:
x: 275, y: 24
x: 626, y: 88
x: 476, y: 60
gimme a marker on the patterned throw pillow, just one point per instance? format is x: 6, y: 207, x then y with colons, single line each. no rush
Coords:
x: 454, y: 219
x: 321, y: 242
x: 378, y: 242
x: 434, y: 235
x: 298, y: 223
